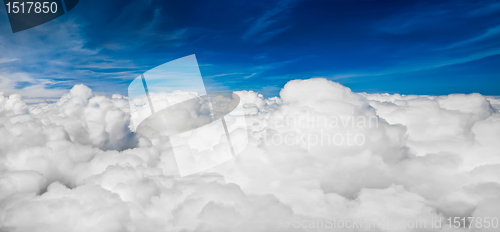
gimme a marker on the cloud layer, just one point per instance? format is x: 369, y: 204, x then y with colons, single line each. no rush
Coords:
x: 318, y: 155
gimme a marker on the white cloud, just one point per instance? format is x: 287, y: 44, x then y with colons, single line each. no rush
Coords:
x: 37, y: 88
x: 75, y: 165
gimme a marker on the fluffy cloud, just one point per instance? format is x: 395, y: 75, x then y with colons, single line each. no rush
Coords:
x: 318, y: 156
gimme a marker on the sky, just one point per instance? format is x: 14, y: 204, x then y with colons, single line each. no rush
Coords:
x: 406, y: 47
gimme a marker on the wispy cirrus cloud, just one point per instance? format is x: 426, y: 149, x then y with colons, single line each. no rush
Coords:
x: 223, y: 74
x: 106, y: 47
x: 487, y: 9
x: 7, y: 60
x: 268, y: 25
x: 490, y: 33
x: 29, y: 87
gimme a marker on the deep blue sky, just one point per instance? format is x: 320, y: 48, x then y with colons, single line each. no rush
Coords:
x: 407, y: 47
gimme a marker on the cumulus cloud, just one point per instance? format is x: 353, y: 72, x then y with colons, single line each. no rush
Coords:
x: 320, y: 155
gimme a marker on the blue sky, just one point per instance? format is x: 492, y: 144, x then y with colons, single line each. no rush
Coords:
x: 407, y: 47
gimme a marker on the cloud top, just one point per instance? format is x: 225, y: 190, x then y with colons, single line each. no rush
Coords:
x: 75, y: 164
